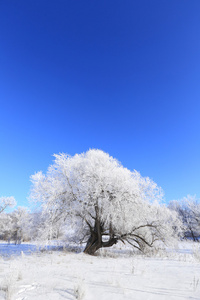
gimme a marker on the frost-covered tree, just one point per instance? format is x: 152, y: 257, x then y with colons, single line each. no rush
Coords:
x: 45, y: 228
x: 6, y: 202
x: 188, y: 210
x: 5, y: 220
x: 5, y: 226
x: 16, y: 225
x: 21, y: 224
x: 103, y: 201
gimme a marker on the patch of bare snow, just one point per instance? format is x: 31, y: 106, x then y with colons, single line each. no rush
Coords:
x: 64, y: 275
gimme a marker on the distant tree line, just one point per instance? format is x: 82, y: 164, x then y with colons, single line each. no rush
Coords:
x: 22, y: 225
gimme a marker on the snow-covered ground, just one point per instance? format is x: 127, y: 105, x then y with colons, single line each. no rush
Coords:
x: 60, y: 275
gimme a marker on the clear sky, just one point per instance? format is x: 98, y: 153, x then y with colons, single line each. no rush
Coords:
x: 122, y: 76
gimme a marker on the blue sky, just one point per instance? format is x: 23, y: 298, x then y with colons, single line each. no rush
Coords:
x: 121, y: 76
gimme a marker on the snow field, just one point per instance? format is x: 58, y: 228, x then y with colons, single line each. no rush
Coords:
x: 64, y: 275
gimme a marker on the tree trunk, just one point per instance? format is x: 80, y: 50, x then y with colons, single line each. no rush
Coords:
x: 94, y: 244
x: 95, y: 240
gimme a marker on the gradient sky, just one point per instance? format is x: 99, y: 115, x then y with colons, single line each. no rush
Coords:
x: 121, y: 76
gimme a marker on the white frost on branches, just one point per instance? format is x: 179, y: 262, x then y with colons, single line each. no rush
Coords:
x: 6, y: 202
